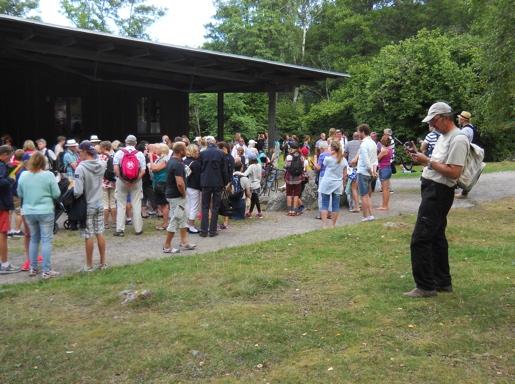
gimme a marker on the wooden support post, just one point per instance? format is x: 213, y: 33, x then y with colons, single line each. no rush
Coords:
x: 273, y: 134
x: 220, y: 116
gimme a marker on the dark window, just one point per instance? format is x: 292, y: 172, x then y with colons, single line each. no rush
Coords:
x: 68, y: 116
x: 149, y: 115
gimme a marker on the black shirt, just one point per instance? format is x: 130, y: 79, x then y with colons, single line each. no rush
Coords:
x: 175, y: 168
x: 193, y: 180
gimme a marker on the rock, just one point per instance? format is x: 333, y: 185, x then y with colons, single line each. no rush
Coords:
x: 130, y: 295
x: 390, y: 224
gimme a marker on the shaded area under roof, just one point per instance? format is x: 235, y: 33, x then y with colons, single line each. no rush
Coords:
x: 102, y: 57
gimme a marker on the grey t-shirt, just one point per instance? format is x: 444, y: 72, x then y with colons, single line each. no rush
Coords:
x: 451, y: 148
x: 352, y: 148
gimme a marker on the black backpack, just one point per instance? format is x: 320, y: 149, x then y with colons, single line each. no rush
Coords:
x: 60, y: 163
x: 237, y: 190
x: 52, y: 164
x: 296, y: 167
x: 476, y: 139
x: 109, y: 174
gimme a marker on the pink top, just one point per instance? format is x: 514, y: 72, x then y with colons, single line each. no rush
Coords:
x: 386, y: 159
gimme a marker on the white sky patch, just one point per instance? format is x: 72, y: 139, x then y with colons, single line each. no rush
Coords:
x: 182, y: 25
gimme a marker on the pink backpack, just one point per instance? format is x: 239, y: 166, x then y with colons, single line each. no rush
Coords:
x: 129, y: 166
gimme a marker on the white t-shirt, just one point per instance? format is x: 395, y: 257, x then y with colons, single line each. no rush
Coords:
x: 140, y: 156
x: 451, y: 148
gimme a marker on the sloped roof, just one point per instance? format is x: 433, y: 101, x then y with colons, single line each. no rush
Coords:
x: 104, y: 57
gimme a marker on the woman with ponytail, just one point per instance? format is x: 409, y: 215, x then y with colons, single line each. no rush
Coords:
x: 331, y: 185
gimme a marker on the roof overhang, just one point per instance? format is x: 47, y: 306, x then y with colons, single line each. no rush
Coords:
x: 102, y: 57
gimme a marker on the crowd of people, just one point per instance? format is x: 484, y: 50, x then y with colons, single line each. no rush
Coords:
x: 116, y: 184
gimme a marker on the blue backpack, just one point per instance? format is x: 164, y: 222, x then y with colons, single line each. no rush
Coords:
x: 237, y: 190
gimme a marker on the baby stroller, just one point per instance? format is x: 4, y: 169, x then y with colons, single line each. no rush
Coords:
x: 63, y: 203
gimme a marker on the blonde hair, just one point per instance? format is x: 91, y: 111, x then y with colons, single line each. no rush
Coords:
x: 37, y: 162
x: 28, y: 145
x: 163, y: 149
x: 337, y: 147
x: 192, y: 151
x: 332, y: 132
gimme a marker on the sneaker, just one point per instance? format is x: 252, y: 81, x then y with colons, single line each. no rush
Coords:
x: 18, y: 234
x: 25, y: 266
x: 248, y: 215
x: 119, y: 234
x: 9, y: 268
x: 203, y: 234
x: 188, y: 247
x: 368, y: 218
x: 318, y: 217
x: 103, y: 267
x: 223, y: 226
x: 213, y: 234
x: 33, y: 272
x: 87, y: 269
x: 259, y: 215
x: 49, y: 274
x: 128, y: 222
x: 10, y: 234
x: 138, y: 233
x: 193, y: 230
x: 417, y: 292
x: 171, y: 250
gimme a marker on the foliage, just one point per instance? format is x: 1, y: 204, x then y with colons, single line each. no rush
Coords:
x: 405, y: 79
x: 280, y: 312
x: 18, y: 8
x: 104, y: 16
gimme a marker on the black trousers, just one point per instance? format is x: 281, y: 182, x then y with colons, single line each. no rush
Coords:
x: 254, y: 201
x: 210, y: 196
x: 429, y: 248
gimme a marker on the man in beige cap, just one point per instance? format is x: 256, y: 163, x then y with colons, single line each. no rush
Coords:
x: 429, y: 249
x: 129, y: 185
x: 466, y: 127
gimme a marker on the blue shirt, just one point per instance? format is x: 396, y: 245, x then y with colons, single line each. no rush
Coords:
x: 68, y: 159
x: 320, y: 162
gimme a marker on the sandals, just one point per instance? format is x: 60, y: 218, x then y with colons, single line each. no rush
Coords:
x: 160, y: 228
x: 171, y: 250
x: 188, y: 247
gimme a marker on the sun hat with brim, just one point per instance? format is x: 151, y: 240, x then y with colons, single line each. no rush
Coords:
x: 465, y: 115
x: 94, y: 139
x: 438, y: 108
x: 71, y: 143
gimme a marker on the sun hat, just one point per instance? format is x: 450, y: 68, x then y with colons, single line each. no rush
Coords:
x: 465, y: 115
x: 438, y: 108
x: 71, y: 143
x: 94, y: 139
x: 388, y: 132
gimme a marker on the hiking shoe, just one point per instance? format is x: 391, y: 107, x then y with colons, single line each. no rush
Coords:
x: 33, y: 272
x: 417, y: 292
x: 447, y: 288
x: 119, y: 234
x: 50, y: 274
x: 9, y: 268
x: 188, y: 247
x: 171, y: 250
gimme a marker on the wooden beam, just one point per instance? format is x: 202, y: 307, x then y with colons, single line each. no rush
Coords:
x: 220, y: 116
x: 273, y: 134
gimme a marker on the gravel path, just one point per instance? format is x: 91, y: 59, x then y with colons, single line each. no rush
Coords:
x: 132, y: 249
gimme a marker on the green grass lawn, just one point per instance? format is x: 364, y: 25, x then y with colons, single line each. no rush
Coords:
x: 324, y: 307
x: 500, y: 166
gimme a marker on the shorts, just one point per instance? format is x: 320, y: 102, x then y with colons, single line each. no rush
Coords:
x: 108, y: 200
x: 94, y: 223
x: 364, y: 184
x: 159, y: 194
x: 385, y: 173
x: 334, y: 198
x: 178, y: 216
x: 4, y: 222
x: 293, y: 189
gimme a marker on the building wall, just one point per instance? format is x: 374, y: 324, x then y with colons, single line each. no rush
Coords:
x: 29, y: 93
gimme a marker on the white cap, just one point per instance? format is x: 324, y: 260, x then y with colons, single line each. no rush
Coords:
x: 438, y: 108
x: 94, y: 139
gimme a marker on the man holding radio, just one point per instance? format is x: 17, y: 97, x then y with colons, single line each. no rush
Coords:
x: 429, y: 248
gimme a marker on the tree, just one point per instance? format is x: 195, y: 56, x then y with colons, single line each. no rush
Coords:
x: 105, y: 15
x: 18, y: 8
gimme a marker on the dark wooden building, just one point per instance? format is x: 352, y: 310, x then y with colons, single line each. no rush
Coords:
x: 72, y: 82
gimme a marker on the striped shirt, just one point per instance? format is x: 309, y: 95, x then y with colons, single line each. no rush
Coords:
x: 431, y: 139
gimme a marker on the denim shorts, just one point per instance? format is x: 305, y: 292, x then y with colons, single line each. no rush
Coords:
x: 364, y: 184
x: 385, y: 173
x: 335, y: 206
